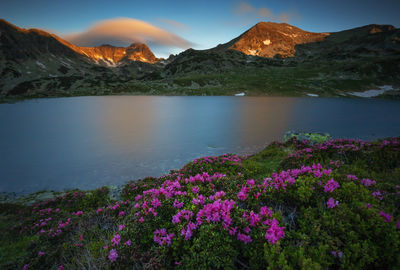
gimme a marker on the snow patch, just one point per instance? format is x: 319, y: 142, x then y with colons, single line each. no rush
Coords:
x: 373, y: 92
x: 267, y: 42
x: 109, y: 63
x: 312, y: 95
x: 252, y: 52
x: 40, y: 64
x: 65, y: 63
x: 240, y: 94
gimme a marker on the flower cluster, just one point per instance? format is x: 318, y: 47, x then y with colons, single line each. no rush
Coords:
x: 332, y: 203
x: 162, y: 237
x: 274, y: 233
x: 331, y: 185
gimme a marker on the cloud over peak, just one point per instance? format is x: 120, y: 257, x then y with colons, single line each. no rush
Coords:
x: 245, y: 9
x: 124, y: 31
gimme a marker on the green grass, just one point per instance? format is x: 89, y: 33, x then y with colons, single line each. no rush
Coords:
x: 325, y: 78
x: 264, y: 163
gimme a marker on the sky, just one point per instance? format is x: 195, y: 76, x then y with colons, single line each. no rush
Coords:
x: 171, y: 26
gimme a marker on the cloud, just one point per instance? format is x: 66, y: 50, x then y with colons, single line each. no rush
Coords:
x: 123, y: 32
x: 246, y: 10
x: 174, y: 24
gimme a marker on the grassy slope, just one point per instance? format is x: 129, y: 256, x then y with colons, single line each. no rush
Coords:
x: 325, y: 78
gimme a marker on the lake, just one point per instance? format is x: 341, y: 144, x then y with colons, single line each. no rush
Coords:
x: 88, y: 142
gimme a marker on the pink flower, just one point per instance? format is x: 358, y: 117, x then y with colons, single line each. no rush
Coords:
x: 265, y: 211
x: 61, y: 267
x: 331, y: 185
x: 199, y: 200
x: 116, y: 239
x: 121, y: 213
x: 105, y: 247
x: 398, y: 225
x: 386, y: 216
x: 244, y: 238
x: 128, y: 243
x: 274, y: 233
x: 368, y: 205
x: 352, y: 177
x: 332, y: 203
x: 377, y: 194
x: 252, y: 218
x: 26, y: 267
x: 188, y: 231
x: 195, y: 189
x: 216, y: 212
x: 162, y: 237
x: 81, y: 237
x: 156, y: 202
x: 78, y: 213
x: 367, y: 182
x: 141, y: 219
x: 138, y: 197
x: 232, y: 230
x: 41, y: 253
x: 250, y: 182
x: 242, y: 195
x: 99, y: 210
x: 113, y: 255
x: 186, y: 214
x: 337, y: 254
x: 121, y: 227
x: 178, y: 204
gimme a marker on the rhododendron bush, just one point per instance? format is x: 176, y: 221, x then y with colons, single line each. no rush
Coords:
x: 294, y: 205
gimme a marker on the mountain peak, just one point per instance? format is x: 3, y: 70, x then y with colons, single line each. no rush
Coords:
x: 137, y: 44
x: 269, y: 39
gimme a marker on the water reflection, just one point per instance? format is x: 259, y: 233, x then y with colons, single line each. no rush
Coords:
x: 87, y: 142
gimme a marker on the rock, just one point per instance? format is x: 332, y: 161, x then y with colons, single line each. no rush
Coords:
x: 312, y: 138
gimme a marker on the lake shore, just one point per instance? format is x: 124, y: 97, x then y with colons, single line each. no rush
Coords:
x: 299, y: 203
x: 392, y: 94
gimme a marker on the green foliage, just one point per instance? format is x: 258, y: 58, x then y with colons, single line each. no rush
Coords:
x: 212, y: 249
x: 359, y: 232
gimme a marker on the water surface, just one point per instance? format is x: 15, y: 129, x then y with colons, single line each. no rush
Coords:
x: 87, y: 142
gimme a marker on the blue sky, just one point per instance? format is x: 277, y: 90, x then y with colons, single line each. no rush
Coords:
x: 204, y: 23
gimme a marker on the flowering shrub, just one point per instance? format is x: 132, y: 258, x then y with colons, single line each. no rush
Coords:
x: 333, y: 205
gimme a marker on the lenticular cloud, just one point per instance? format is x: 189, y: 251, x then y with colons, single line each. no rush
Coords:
x: 124, y: 31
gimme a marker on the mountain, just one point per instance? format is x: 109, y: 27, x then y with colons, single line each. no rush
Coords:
x: 33, y: 60
x: 268, y: 39
x: 111, y: 55
x: 281, y: 40
x: 280, y: 59
x: 267, y: 59
x: 280, y: 44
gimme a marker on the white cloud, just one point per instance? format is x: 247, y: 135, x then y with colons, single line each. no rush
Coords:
x: 124, y: 31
